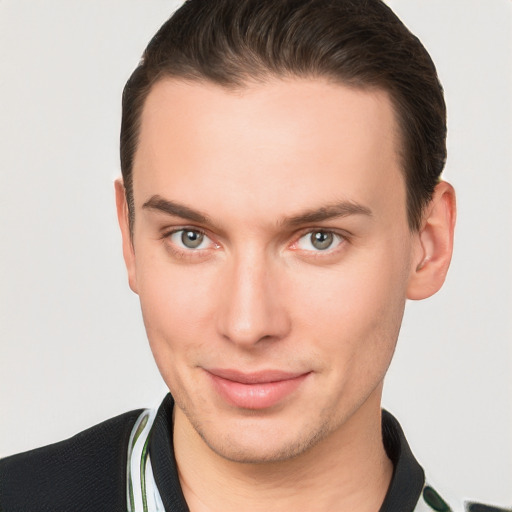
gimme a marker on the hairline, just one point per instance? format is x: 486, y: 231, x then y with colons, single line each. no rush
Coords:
x: 244, y: 81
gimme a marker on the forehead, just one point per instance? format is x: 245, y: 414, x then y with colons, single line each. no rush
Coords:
x: 278, y: 145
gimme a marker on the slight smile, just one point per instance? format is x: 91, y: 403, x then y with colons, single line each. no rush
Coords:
x: 256, y: 390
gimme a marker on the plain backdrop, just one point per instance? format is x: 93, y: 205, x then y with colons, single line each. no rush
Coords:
x: 73, y: 350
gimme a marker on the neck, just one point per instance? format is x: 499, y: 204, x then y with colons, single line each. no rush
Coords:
x: 348, y: 470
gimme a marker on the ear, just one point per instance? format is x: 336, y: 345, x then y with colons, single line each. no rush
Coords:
x: 124, y: 224
x: 434, y: 244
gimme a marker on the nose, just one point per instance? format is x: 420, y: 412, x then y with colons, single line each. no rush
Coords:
x: 252, y: 305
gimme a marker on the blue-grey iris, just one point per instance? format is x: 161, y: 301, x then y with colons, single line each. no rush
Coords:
x: 321, y: 240
x: 192, y: 239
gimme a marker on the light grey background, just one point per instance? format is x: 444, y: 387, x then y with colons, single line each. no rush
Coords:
x: 72, y: 345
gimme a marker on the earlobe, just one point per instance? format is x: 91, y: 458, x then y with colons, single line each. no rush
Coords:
x: 124, y: 225
x: 434, y: 244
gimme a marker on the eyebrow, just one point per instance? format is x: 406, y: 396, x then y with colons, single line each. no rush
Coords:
x: 178, y: 210
x: 331, y: 211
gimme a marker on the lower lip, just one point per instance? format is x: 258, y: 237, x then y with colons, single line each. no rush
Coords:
x: 256, y: 396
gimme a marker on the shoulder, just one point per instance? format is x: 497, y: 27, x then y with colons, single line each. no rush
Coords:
x: 84, y: 473
x: 431, y: 501
x: 408, y: 489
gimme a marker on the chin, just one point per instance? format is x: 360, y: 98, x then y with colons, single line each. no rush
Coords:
x: 255, y: 444
x: 257, y: 453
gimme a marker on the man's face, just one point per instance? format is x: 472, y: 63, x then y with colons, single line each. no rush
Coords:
x: 271, y: 254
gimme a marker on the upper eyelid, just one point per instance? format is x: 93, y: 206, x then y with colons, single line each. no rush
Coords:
x: 343, y: 233
x: 175, y: 229
x: 334, y: 232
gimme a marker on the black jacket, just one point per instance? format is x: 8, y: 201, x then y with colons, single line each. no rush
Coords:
x: 87, y: 473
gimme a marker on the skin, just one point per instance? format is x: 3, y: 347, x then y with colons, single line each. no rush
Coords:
x: 256, y: 166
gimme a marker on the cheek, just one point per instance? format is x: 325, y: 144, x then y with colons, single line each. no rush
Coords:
x: 176, y: 305
x: 355, y: 310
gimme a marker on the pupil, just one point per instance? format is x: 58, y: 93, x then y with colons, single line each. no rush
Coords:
x: 191, y: 239
x: 321, y: 240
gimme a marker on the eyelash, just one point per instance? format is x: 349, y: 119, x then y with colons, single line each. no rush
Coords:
x: 182, y: 253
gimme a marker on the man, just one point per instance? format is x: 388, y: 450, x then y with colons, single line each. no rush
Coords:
x: 280, y: 201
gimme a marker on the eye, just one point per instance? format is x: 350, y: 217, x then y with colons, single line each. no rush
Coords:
x: 319, y: 241
x: 190, y: 239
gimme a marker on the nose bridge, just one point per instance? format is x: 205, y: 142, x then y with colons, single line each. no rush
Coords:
x: 252, y: 308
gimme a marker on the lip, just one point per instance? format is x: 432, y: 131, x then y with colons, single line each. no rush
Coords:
x: 255, y: 390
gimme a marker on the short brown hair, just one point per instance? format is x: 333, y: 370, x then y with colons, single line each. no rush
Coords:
x: 361, y: 43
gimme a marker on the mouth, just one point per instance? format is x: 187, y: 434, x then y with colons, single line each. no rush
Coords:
x: 255, y: 390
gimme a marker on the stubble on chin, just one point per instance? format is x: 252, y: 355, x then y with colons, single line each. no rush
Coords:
x: 268, y: 448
